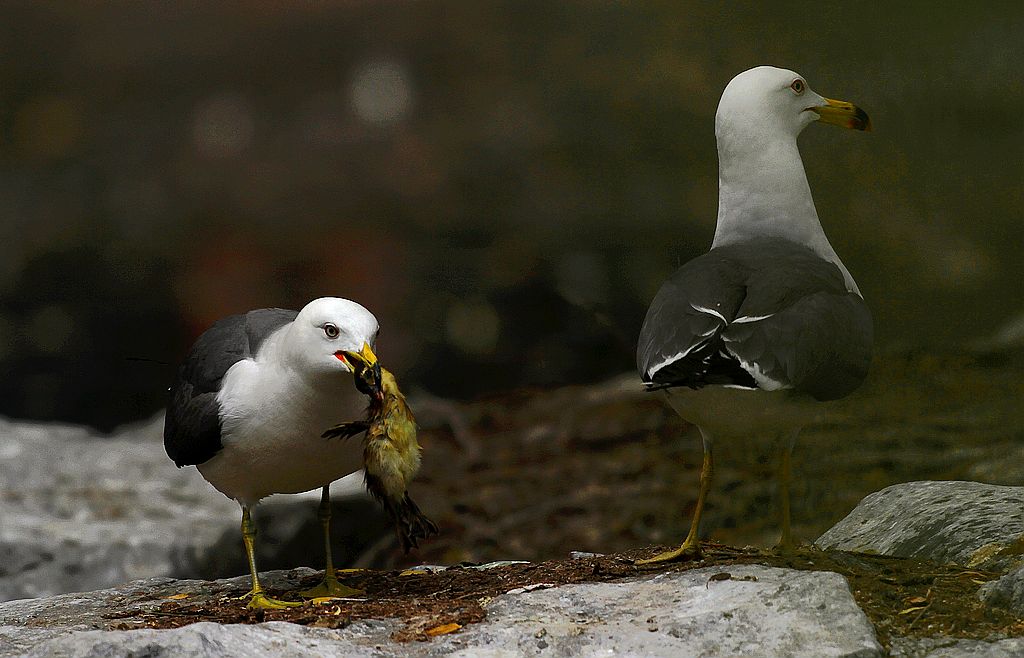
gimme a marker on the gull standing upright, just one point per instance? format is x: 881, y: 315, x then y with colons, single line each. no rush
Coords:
x: 251, y: 400
x: 769, y: 323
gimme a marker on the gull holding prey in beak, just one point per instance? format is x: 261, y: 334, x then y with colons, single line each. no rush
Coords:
x: 391, y: 453
x: 251, y: 399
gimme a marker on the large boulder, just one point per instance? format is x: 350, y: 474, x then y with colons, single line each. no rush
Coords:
x: 84, y: 511
x: 757, y: 610
x: 968, y: 523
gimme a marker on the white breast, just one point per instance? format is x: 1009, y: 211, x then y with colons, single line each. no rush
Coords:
x: 271, y: 425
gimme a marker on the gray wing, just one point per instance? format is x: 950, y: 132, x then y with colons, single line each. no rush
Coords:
x: 192, y: 427
x: 765, y: 313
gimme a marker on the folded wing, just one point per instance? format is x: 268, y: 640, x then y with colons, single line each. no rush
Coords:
x: 192, y: 425
x: 766, y: 314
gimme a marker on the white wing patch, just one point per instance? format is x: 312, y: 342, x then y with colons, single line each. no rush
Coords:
x: 764, y: 382
x: 751, y: 318
x: 672, y: 359
x: 704, y: 338
x: 709, y: 311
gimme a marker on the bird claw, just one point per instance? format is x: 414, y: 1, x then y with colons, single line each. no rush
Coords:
x: 261, y: 601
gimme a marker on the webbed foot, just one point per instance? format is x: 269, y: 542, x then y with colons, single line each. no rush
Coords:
x: 688, y: 551
x: 330, y: 587
x: 260, y: 601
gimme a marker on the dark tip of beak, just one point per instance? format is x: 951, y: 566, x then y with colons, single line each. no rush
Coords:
x: 860, y: 121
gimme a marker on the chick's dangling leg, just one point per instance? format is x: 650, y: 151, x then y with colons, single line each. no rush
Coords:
x: 258, y: 598
x: 690, y: 548
x: 786, y: 542
x: 329, y: 586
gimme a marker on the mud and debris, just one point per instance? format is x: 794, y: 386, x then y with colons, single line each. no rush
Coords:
x: 901, y: 597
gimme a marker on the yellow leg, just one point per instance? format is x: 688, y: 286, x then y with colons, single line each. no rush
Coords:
x: 786, y: 542
x: 259, y: 598
x: 329, y: 586
x: 690, y: 548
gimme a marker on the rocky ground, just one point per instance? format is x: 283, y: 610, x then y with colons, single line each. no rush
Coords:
x: 534, y: 475
x: 734, y: 601
x: 698, y: 612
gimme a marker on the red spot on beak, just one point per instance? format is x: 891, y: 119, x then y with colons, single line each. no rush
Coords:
x: 341, y: 357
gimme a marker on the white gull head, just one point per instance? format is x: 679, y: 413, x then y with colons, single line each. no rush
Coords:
x: 762, y: 187
x: 325, y: 328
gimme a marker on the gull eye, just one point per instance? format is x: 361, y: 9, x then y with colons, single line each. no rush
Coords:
x: 331, y: 331
x: 798, y: 86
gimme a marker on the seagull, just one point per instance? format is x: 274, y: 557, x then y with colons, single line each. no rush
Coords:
x: 251, y: 400
x: 759, y: 332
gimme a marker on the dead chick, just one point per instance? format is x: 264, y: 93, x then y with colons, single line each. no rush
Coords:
x: 391, y: 453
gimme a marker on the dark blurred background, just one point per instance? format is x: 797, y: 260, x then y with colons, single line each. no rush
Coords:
x: 504, y: 186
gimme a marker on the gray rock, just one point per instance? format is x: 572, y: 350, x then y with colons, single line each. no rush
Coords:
x: 209, y: 639
x: 955, y: 648
x: 1006, y: 592
x: 1008, y: 648
x: 968, y: 523
x: 759, y: 611
x: 83, y: 511
x: 64, y: 612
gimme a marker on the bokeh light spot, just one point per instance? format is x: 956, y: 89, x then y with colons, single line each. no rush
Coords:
x: 381, y: 92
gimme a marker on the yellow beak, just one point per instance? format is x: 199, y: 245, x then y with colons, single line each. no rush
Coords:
x: 841, y: 113
x: 364, y: 356
x: 368, y: 375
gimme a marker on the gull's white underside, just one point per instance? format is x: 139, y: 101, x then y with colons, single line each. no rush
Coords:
x: 277, y: 448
